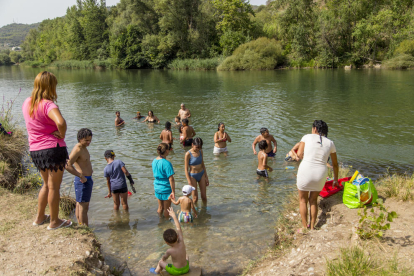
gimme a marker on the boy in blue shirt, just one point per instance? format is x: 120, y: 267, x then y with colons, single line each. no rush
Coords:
x: 115, y: 173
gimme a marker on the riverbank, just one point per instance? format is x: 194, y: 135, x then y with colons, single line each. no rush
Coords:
x: 336, y: 249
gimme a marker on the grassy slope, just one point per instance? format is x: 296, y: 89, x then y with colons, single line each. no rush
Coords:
x: 15, y: 33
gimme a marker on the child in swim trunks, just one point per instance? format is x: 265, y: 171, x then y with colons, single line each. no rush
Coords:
x: 166, y: 135
x: 262, y: 156
x: 180, y: 264
x: 186, y: 205
x: 115, y: 173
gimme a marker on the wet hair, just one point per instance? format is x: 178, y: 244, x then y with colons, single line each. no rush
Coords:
x: 151, y: 112
x: 198, y: 142
x: 263, y: 130
x: 170, y: 236
x: 180, y: 129
x: 321, y: 128
x: 219, y: 125
x: 167, y: 125
x: 44, y: 88
x: 263, y: 145
x: 84, y: 133
x: 162, y: 148
x: 185, y: 121
x: 178, y: 117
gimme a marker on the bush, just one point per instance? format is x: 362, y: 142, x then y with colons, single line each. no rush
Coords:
x: 260, y: 54
x: 5, y: 59
x: 405, y: 47
x: 195, y: 64
x: 402, y: 61
x: 34, y: 63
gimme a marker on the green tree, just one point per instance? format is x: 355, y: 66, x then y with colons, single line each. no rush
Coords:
x: 15, y: 57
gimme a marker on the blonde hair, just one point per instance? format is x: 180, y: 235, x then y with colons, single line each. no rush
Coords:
x: 44, y: 89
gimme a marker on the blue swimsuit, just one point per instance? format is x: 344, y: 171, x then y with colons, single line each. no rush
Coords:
x: 196, y: 161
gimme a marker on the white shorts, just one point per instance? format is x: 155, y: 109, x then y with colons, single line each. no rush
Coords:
x: 219, y: 150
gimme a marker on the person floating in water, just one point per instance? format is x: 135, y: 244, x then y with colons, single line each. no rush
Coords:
x: 187, y: 205
x: 262, y: 157
x: 82, y: 171
x: 139, y: 116
x: 220, y: 139
x: 188, y: 133
x: 151, y: 118
x: 184, y: 113
x: 180, y: 263
x: 264, y: 135
x: 4, y: 132
x: 166, y: 135
x: 118, y: 120
x: 115, y: 173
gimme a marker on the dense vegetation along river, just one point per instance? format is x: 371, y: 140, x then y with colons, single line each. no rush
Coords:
x: 370, y: 118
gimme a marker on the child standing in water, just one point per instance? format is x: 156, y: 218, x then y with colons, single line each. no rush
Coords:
x: 178, y: 121
x: 166, y: 135
x: 115, y: 173
x: 180, y: 264
x: 262, y: 157
x: 82, y: 171
x: 186, y: 205
x: 118, y: 120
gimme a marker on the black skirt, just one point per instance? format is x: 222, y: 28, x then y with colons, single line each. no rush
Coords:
x: 53, y: 159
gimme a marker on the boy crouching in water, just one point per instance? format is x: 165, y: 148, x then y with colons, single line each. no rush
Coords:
x: 180, y: 264
x: 83, y: 174
x: 262, y: 156
x: 115, y: 173
x: 186, y: 205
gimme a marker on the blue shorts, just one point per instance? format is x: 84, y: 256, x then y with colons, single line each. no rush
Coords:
x: 162, y: 196
x: 271, y: 154
x: 83, y: 191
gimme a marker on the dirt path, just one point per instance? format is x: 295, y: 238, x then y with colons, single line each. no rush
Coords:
x: 32, y: 250
x: 310, y: 251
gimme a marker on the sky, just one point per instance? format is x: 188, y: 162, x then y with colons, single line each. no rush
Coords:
x: 33, y: 11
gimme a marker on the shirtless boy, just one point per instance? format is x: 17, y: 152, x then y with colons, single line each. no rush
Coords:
x: 264, y: 135
x: 180, y: 264
x: 80, y: 166
x: 188, y: 133
x: 139, y: 116
x: 118, y: 119
x: 186, y: 205
x: 166, y: 135
x: 184, y: 113
x: 262, y: 157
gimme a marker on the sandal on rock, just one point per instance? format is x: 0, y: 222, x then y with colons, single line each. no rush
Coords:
x: 46, y: 219
x: 60, y: 226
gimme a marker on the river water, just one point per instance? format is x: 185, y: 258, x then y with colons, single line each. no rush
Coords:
x: 369, y: 112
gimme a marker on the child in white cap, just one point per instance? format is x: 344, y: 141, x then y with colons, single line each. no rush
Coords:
x: 186, y: 205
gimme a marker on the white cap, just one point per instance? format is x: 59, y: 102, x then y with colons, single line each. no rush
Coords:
x: 187, y: 189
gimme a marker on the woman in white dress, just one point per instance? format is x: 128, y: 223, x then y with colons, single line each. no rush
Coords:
x: 314, y: 150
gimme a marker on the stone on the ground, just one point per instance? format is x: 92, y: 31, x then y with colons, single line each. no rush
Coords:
x: 194, y: 271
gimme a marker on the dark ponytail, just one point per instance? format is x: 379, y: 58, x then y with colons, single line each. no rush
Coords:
x: 198, y: 142
x: 321, y: 128
x: 219, y: 125
x: 168, y: 125
x: 162, y: 148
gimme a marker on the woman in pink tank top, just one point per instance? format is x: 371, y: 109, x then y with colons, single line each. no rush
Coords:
x: 46, y: 129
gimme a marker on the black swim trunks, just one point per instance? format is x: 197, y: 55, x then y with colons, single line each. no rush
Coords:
x: 262, y: 173
x: 188, y: 142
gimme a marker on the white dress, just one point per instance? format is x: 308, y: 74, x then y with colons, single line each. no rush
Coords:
x: 312, y: 170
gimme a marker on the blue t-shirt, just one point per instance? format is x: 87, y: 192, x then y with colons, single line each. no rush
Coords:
x: 162, y: 170
x: 116, y: 175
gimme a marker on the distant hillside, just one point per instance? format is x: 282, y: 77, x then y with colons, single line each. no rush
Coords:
x: 15, y: 33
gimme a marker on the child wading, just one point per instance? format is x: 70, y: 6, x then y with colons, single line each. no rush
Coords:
x: 166, y: 135
x: 262, y: 157
x: 115, y: 173
x: 186, y: 205
x: 118, y: 120
x: 83, y: 174
x: 180, y: 264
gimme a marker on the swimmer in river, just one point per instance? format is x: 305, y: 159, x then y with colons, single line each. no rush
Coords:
x: 188, y: 133
x: 184, y: 113
x: 262, y: 157
x: 166, y: 135
x: 118, y: 120
x: 151, y: 118
x: 139, y: 116
x: 177, y: 121
x: 264, y: 135
x: 220, y: 139
x: 186, y: 204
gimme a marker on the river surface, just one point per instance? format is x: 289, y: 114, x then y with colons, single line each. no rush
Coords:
x: 369, y: 112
